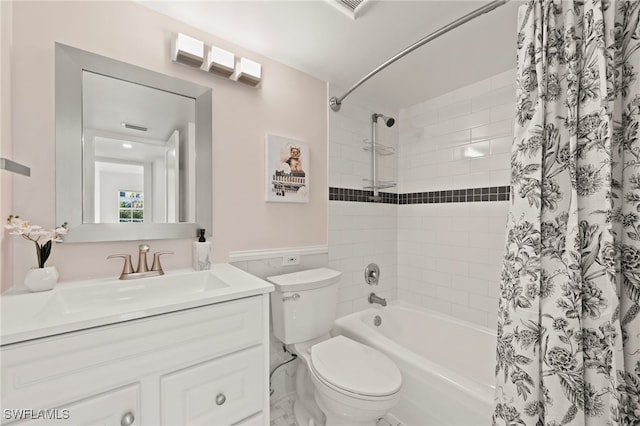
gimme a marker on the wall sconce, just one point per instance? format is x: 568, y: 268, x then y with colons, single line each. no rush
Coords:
x: 221, y: 62
x: 187, y: 50
x: 250, y: 72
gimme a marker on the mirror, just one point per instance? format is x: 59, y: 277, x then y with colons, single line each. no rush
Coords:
x: 133, y: 151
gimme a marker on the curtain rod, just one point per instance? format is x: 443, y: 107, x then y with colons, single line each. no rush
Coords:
x: 336, y: 102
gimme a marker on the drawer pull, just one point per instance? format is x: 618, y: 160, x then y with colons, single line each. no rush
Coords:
x: 220, y: 399
x: 127, y: 419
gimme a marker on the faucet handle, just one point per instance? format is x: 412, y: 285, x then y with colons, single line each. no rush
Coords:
x: 156, y: 266
x: 127, y: 268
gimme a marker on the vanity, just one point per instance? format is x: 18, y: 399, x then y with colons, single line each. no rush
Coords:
x: 184, y: 348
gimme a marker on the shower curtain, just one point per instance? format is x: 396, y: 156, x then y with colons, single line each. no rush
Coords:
x: 568, y: 348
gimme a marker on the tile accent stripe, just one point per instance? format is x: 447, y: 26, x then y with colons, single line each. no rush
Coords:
x: 360, y: 195
x: 469, y: 195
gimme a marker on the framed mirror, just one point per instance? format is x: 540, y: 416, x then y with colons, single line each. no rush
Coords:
x: 133, y: 151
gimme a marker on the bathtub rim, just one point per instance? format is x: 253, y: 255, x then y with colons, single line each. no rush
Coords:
x: 353, y: 325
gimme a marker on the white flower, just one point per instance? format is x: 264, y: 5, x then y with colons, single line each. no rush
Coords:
x: 42, y: 238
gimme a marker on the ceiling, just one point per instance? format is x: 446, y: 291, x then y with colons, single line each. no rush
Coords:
x: 317, y: 38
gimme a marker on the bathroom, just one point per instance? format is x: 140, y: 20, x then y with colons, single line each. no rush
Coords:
x: 437, y: 235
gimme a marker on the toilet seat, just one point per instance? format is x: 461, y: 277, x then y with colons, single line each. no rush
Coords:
x: 353, y: 368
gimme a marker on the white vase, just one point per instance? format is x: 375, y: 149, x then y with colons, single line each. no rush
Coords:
x: 41, y: 279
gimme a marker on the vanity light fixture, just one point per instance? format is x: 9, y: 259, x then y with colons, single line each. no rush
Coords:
x: 249, y: 72
x: 187, y: 50
x: 221, y: 62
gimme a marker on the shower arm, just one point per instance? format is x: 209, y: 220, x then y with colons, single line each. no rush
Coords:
x: 336, y: 102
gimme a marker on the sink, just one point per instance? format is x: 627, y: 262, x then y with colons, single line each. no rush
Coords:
x: 90, y: 303
x: 142, y: 291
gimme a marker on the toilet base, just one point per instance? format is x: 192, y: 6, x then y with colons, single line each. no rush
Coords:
x: 332, y: 419
x: 305, y: 409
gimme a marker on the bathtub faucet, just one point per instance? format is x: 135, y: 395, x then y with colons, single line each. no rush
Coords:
x: 375, y: 299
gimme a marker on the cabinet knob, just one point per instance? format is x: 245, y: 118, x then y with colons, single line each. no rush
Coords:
x: 220, y: 399
x: 127, y: 419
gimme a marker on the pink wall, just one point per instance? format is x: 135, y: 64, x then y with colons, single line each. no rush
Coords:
x: 6, y: 178
x: 289, y: 103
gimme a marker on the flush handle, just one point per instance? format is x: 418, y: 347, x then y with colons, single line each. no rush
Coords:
x: 294, y: 297
x: 127, y: 419
x: 220, y: 399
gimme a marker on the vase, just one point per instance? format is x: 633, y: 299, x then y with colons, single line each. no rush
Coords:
x: 41, y: 279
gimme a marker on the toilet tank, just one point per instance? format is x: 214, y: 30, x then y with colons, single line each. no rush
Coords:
x: 303, y: 305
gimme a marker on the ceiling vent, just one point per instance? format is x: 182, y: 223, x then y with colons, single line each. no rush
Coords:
x: 351, y: 8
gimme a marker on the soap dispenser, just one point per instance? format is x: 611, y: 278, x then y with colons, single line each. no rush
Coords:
x: 201, y: 253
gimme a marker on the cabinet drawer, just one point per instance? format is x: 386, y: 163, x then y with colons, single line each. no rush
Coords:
x: 53, y: 371
x: 104, y: 409
x: 218, y: 392
x: 257, y: 420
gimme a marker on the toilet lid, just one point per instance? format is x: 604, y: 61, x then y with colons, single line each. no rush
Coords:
x: 355, y: 367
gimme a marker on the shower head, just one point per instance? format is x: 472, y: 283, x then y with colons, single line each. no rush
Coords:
x: 389, y: 121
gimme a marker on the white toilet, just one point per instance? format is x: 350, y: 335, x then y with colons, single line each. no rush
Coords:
x: 339, y: 382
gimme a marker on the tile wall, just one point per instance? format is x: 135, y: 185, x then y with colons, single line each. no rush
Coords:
x: 451, y: 147
x: 361, y: 232
x: 439, y: 235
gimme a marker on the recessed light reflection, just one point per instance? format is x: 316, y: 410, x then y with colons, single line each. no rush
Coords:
x: 127, y: 145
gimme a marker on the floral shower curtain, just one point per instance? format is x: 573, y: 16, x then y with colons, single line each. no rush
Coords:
x: 568, y: 349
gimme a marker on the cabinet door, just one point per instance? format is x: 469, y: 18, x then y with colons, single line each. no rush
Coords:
x: 219, y: 392
x: 114, y: 408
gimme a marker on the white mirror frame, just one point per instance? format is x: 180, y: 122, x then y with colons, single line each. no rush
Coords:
x: 69, y: 65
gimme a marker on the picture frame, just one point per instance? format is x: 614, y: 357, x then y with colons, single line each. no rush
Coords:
x: 286, y: 170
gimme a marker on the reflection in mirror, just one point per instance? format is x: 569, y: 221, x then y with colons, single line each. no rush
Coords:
x: 133, y: 151
x: 141, y: 139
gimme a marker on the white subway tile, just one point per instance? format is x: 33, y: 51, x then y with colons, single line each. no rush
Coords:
x: 503, y: 111
x: 452, y: 139
x: 501, y: 145
x: 495, y: 97
x: 455, y: 109
x: 475, y: 119
x: 472, y: 150
x: 493, y: 130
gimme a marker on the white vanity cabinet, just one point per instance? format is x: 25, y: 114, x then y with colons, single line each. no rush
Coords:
x: 200, y: 366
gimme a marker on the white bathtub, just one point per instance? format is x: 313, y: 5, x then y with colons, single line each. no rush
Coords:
x: 447, y: 364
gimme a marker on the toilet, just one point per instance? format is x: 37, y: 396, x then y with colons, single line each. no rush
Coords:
x: 338, y: 381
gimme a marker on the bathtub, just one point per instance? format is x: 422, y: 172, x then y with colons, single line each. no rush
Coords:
x: 447, y: 364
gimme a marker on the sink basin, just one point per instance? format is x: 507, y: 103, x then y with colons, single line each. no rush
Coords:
x: 142, y: 291
x: 84, y: 304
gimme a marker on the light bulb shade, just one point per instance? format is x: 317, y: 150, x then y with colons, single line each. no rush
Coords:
x: 250, y: 72
x: 187, y: 50
x: 220, y: 61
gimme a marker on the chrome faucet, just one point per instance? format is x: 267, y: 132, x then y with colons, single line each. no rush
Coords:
x: 375, y: 299
x: 128, y: 273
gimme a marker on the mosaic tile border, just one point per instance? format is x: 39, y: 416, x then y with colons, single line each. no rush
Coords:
x: 469, y: 195
x: 360, y: 195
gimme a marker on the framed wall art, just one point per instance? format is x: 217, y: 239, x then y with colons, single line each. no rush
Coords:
x: 287, y: 170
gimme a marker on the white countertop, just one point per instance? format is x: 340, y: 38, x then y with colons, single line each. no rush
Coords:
x: 77, y: 305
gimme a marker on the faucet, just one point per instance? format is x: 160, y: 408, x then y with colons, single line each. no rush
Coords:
x: 375, y: 299
x: 128, y: 273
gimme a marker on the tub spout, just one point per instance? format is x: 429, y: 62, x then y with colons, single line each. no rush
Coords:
x: 375, y: 299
